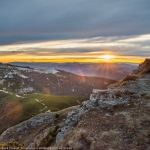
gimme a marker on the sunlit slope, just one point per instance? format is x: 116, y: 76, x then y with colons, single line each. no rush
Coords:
x: 15, y: 108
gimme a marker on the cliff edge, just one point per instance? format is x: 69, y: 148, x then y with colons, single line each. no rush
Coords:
x: 116, y: 118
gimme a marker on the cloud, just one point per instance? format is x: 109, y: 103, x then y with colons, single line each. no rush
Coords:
x: 123, y: 46
x: 36, y: 20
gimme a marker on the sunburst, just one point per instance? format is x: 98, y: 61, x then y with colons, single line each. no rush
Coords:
x: 106, y: 58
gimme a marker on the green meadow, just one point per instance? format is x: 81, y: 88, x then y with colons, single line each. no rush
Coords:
x: 17, y: 108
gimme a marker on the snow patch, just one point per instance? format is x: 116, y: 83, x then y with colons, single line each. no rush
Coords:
x: 19, y: 96
x: 26, y: 90
x: 23, y: 76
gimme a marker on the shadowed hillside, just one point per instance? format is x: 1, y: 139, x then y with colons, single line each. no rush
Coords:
x: 24, y: 80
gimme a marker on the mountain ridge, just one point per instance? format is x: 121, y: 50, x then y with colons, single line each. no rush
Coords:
x: 114, y: 71
x: 25, y: 80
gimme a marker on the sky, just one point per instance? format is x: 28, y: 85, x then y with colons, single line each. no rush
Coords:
x: 74, y: 31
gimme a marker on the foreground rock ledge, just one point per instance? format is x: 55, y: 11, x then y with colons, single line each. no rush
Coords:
x: 116, y: 118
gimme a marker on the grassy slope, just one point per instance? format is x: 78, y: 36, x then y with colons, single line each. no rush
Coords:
x: 56, y: 103
x: 17, y: 109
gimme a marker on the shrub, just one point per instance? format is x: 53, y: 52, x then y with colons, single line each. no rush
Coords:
x: 81, y: 105
x: 57, y: 116
x: 117, y: 94
x: 51, y: 137
x: 143, y: 94
x: 12, y: 145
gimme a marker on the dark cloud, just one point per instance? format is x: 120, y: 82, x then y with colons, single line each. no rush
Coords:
x: 36, y: 20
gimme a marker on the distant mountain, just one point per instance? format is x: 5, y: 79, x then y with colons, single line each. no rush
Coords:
x: 24, y: 80
x: 115, y: 71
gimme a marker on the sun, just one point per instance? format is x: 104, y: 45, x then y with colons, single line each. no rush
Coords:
x: 106, y: 58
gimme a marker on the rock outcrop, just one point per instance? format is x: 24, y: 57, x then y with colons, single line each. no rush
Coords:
x: 32, y: 131
x: 116, y: 118
x: 18, y: 132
